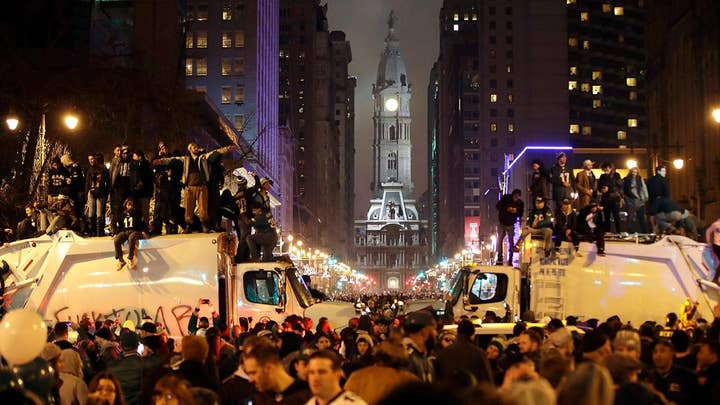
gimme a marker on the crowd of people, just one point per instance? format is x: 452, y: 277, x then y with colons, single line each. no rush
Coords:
x: 412, y: 358
x: 170, y: 193
x: 587, y: 207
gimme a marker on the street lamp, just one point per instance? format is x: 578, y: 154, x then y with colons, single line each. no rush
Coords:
x: 716, y: 114
x: 678, y: 163
x: 71, y: 121
x: 12, y: 123
x: 631, y: 163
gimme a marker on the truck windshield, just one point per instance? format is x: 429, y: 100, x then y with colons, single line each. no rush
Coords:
x: 488, y: 287
x: 299, y: 287
x: 456, y: 287
x: 262, y: 287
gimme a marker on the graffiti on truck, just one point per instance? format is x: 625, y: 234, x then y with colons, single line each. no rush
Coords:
x: 175, y: 318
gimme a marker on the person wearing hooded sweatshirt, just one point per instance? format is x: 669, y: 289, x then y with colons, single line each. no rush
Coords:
x: 121, y: 185
x: 76, y: 185
x: 57, y: 181
x: 97, y: 187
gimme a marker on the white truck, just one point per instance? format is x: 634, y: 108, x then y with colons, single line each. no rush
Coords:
x: 66, y: 277
x: 637, y: 281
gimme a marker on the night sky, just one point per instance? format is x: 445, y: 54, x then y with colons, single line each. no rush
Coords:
x: 365, y: 24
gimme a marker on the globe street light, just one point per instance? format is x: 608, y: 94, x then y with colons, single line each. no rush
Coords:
x: 631, y: 163
x: 678, y: 163
x: 716, y: 114
x: 71, y: 121
x: 12, y: 123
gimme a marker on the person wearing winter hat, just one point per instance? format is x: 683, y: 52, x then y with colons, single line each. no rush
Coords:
x: 67, y: 388
x: 595, y: 346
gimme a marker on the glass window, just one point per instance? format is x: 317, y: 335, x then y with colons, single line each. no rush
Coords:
x: 202, y: 39
x: 573, y: 42
x: 573, y: 70
x: 488, y: 287
x: 225, y: 95
x: 456, y: 27
x: 226, y: 40
x: 239, y: 94
x: 225, y: 67
x: 511, y: 127
x: 202, y: 12
x: 585, y: 87
x: 621, y: 135
x: 227, y: 13
x: 188, y: 67
x: 201, y: 67
x: 493, y: 98
x: 239, y: 66
x: 606, y: 8
x: 474, y: 16
x: 493, y: 127
x: 455, y: 288
x: 584, y: 16
x: 597, y: 89
x: 508, y: 68
x: 619, y: 10
x: 571, y: 1
x: 597, y: 103
x: 239, y: 122
x: 632, y: 122
x: 302, y: 293
x: 574, y: 128
x: 587, y: 131
x: 189, y: 40
x: 456, y: 17
x: 510, y: 97
x: 597, y: 75
x: 572, y: 85
x: 239, y: 39
x: 201, y: 89
x: 632, y: 95
x: 586, y: 44
x: 631, y: 81
x: 262, y: 287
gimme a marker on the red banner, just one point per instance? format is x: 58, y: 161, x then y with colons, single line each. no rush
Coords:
x: 472, y: 233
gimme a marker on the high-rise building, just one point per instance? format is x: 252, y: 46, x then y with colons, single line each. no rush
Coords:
x: 316, y: 102
x: 606, y: 73
x: 390, y: 243
x: 683, y: 55
x: 501, y: 77
x: 433, y: 191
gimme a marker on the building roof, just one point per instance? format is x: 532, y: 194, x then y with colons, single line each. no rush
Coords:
x: 392, y: 65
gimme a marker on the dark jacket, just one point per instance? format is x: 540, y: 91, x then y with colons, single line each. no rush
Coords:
x: 582, y: 226
x: 679, y: 385
x: 77, y: 180
x: 614, y: 185
x: 143, y: 179
x: 710, y: 391
x: 197, y: 375
x: 564, y: 222
x: 658, y: 187
x: 539, y: 184
x: 132, y: 221
x: 463, y: 355
x: 57, y: 182
x: 97, y: 181
x: 558, y: 175
x: 509, y: 211
x: 129, y: 371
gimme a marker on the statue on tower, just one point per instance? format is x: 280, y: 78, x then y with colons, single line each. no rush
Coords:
x: 392, y: 20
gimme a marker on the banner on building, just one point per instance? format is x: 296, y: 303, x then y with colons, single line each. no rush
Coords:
x: 472, y: 233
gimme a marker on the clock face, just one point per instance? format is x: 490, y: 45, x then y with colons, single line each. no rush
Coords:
x: 391, y: 104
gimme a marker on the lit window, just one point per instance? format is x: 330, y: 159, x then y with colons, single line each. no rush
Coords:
x: 456, y: 17
x: 632, y: 122
x: 571, y: 1
x: 474, y: 16
x: 621, y: 135
x: 239, y: 39
x: 493, y: 127
x: 606, y: 8
x: 584, y: 16
x: 597, y: 89
x: 201, y: 89
x: 619, y: 10
x: 188, y: 67
x: 189, y: 40
x: 239, y: 122
x: 509, y: 68
x: 585, y: 87
x: 631, y: 81
x: 573, y: 70
x: 587, y: 131
x: 493, y: 98
x: 511, y: 127
x: 596, y: 75
x: 239, y: 94
x: 201, y: 67
x: 226, y: 13
x: 202, y: 39
x: 632, y: 95
x: 573, y: 42
x: 466, y: 17
x: 225, y: 67
x: 621, y: 39
x: 225, y: 95
x: 572, y: 85
x: 202, y: 12
x: 597, y: 103
x: 586, y: 44
x: 238, y: 66
x: 510, y: 97
x: 574, y: 128
x: 456, y: 27
x: 226, y: 40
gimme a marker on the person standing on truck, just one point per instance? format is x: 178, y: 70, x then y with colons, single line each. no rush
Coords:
x: 121, y: 186
x: 131, y: 229
x: 565, y: 225
x: 636, y: 196
x: 610, y: 185
x: 510, y: 210
x: 586, y: 184
x: 562, y: 180
x: 196, y: 175
x: 264, y: 238
x: 167, y: 194
x: 712, y: 237
x: 538, y: 181
x: 539, y: 222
